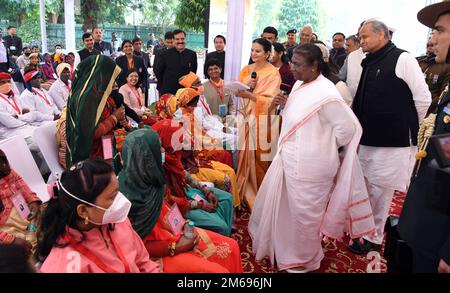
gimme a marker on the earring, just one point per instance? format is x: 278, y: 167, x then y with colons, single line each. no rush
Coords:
x: 86, y: 220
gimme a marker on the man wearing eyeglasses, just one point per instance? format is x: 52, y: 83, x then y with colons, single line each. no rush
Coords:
x: 437, y: 75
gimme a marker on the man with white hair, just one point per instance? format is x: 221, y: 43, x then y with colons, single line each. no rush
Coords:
x: 306, y: 35
x: 391, y: 100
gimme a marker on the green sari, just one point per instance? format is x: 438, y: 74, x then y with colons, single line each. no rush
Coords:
x: 92, y: 84
x: 142, y: 179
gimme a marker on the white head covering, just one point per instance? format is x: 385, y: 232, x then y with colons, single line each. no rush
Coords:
x: 325, y: 52
x: 61, y: 67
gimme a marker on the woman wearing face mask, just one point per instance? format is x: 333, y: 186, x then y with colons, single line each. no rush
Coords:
x: 18, y: 206
x: 60, y: 89
x: 85, y: 228
x: 142, y: 181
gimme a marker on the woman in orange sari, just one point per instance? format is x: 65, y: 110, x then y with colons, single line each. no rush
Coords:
x: 256, y: 144
x: 142, y: 181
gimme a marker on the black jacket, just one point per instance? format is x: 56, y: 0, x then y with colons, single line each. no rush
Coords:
x: 425, y: 220
x: 171, y: 66
x: 84, y: 53
x: 103, y: 46
x: 384, y: 103
x: 138, y: 65
x: 145, y: 57
x: 15, y: 42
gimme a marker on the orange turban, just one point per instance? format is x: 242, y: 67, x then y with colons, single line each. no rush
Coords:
x: 184, y: 96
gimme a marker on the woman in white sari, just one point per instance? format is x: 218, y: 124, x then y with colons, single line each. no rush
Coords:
x: 314, y: 186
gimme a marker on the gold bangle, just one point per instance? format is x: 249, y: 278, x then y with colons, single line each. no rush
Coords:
x: 172, y: 247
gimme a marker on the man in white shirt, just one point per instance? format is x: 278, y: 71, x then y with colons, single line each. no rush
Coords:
x: 37, y: 99
x: 4, y: 63
x: 13, y: 117
x: 60, y: 89
x: 391, y: 100
x: 24, y: 59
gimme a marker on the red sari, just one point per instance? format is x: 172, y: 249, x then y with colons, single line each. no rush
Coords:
x: 214, y: 253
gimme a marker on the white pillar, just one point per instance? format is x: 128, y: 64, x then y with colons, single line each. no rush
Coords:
x: 69, y: 21
x: 235, y: 38
x: 43, y: 27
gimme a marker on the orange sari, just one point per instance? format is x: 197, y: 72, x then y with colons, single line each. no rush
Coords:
x: 214, y: 253
x: 253, y: 164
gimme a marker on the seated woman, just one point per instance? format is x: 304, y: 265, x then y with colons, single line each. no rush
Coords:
x: 47, y: 68
x: 35, y: 64
x: 212, y: 168
x: 87, y: 220
x: 142, y: 182
x: 132, y: 93
x: 92, y: 110
x: 14, y: 215
x: 215, y: 210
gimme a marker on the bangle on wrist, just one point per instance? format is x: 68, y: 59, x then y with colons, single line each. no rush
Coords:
x: 171, y: 248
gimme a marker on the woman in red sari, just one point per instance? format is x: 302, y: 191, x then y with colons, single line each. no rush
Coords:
x: 142, y: 181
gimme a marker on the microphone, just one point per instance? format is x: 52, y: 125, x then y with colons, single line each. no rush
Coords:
x: 254, y: 75
x: 285, y: 88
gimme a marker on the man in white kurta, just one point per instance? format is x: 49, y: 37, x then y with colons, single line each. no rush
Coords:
x: 36, y: 99
x: 391, y: 100
x: 59, y: 91
x: 308, y: 187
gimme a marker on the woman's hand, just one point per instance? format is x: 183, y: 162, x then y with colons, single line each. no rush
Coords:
x: 208, y: 207
x: 280, y: 100
x: 119, y: 113
x: 252, y: 84
x: 35, y: 211
x: 186, y: 244
x: 211, y: 197
x: 24, y: 243
x: 245, y: 95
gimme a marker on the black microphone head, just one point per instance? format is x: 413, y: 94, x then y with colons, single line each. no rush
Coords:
x: 254, y: 75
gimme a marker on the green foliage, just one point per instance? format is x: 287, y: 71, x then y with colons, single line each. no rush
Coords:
x: 160, y: 13
x: 266, y: 12
x: 191, y: 15
x: 30, y: 29
x: 298, y: 13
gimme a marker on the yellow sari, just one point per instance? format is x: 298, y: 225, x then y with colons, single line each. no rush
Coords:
x: 251, y: 169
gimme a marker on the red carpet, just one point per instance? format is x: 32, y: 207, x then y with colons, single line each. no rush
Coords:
x: 337, y: 258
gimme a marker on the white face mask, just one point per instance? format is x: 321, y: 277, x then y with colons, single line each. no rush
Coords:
x: 58, y: 50
x: 163, y: 158
x: 116, y: 213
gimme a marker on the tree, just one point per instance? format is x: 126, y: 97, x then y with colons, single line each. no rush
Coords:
x: 15, y: 11
x: 54, y: 8
x: 160, y: 13
x: 192, y: 15
x: 265, y: 15
x: 298, y: 13
x: 94, y: 12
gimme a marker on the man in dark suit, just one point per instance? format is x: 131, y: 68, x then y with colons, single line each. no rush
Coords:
x: 89, y: 49
x: 13, y: 42
x: 174, y: 63
x: 219, y: 54
x: 425, y: 220
x: 104, y: 47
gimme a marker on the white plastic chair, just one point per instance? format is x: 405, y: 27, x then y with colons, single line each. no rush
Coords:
x: 21, y: 160
x: 45, y: 138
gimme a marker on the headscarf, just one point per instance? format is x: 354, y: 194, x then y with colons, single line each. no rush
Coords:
x: 4, y: 75
x: 91, y: 86
x: 168, y: 131
x: 185, y: 95
x: 60, y: 68
x: 166, y: 106
x: 142, y: 179
x: 30, y: 75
